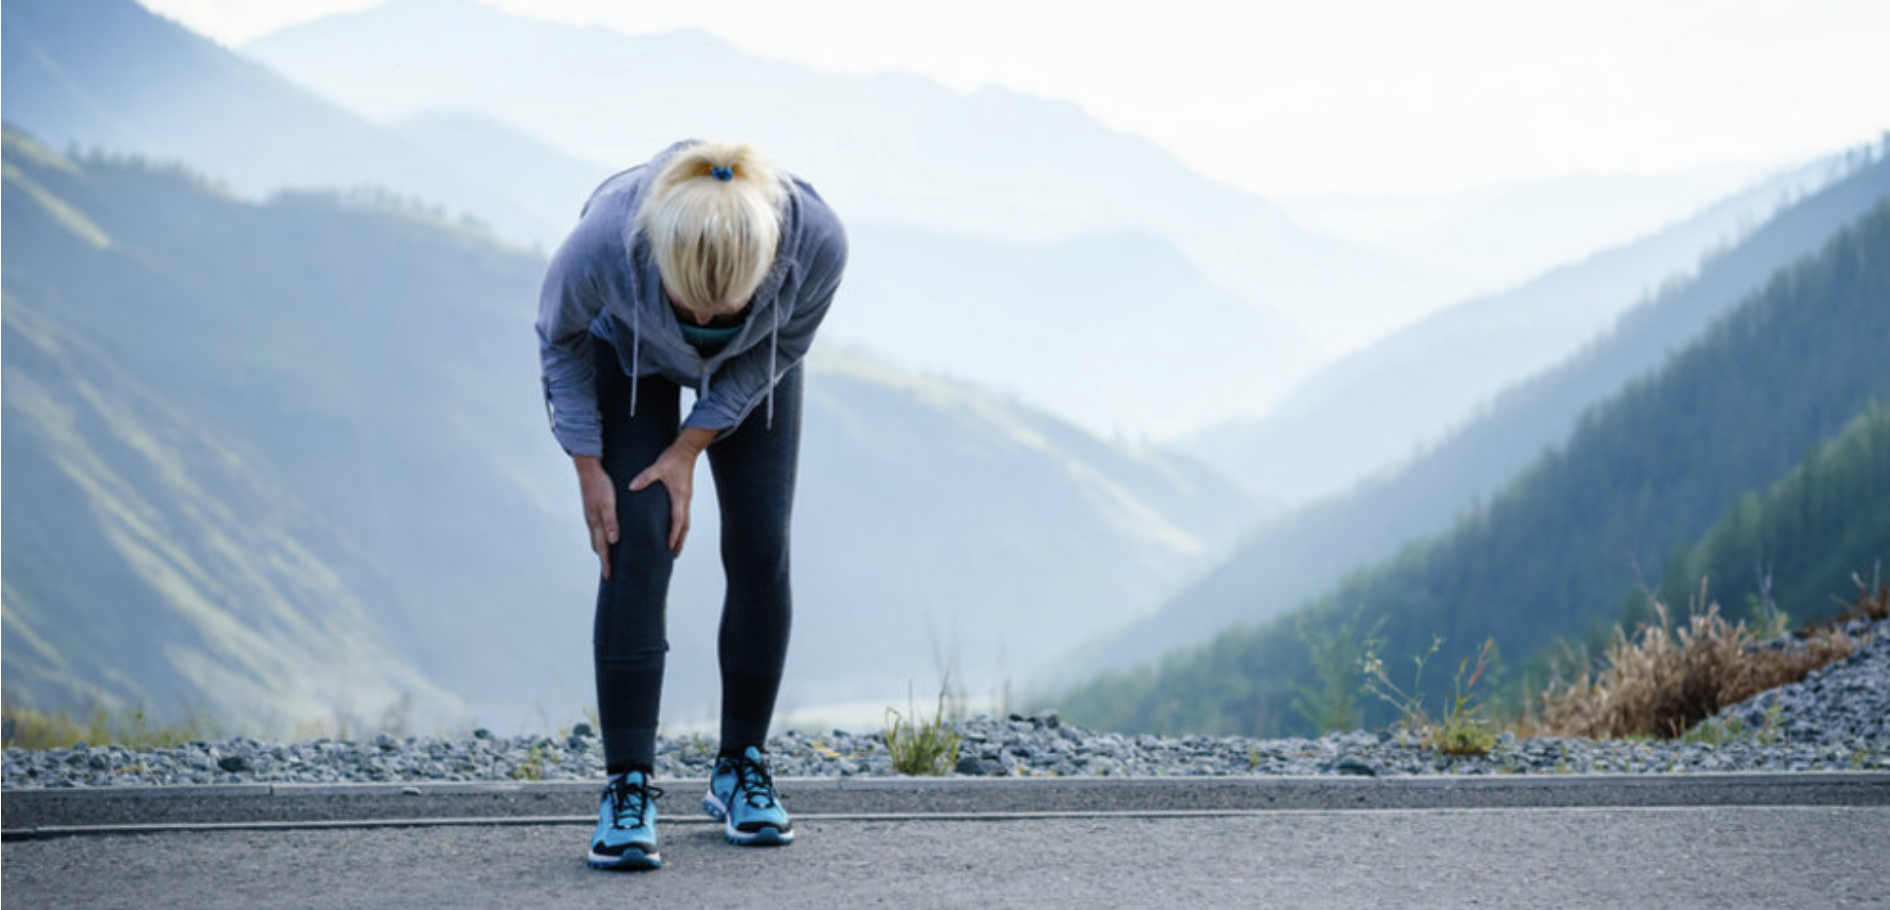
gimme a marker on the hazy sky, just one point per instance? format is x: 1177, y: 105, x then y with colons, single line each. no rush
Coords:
x: 1353, y: 96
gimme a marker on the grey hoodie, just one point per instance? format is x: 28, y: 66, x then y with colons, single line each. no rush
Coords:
x: 603, y: 283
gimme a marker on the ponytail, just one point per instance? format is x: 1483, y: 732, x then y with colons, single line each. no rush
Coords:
x: 713, y: 221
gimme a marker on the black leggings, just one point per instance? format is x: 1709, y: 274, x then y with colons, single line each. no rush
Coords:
x: 754, y: 470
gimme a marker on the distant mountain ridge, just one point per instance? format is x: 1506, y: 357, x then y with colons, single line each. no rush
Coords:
x: 73, y: 78
x: 890, y: 149
x: 107, y: 74
x: 1116, y: 332
x: 1501, y: 235
x: 1366, y: 412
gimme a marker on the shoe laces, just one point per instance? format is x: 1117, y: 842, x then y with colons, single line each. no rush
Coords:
x: 629, y: 799
x: 753, y: 781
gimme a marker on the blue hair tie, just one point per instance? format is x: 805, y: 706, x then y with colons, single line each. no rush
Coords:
x: 722, y: 173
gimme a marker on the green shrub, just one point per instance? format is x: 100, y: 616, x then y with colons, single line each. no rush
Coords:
x: 1462, y: 730
x: 919, y: 746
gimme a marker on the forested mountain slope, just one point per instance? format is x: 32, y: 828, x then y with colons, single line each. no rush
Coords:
x: 149, y: 564
x: 1284, y: 563
x: 1799, y: 543
x: 1646, y: 472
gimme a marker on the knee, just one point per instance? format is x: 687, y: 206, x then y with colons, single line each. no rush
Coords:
x: 645, y: 510
x: 642, y: 527
x: 756, y: 570
x: 754, y: 548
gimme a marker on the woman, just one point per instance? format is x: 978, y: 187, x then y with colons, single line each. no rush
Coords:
x: 704, y: 267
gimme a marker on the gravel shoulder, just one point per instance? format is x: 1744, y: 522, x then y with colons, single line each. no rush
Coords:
x: 1837, y: 719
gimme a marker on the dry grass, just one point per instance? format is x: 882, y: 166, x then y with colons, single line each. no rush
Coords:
x: 26, y: 728
x: 1869, y: 605
x: 920, y: 746
x: 1665, y: 680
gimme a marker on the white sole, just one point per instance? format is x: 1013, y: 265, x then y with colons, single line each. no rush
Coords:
x: 631, y: 859
x: 716, y: 810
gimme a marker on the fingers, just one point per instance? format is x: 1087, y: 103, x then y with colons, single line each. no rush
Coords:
x: 674, y: 472
x: 601, y: 547
x: 600, y: 507
x: 603, y: 525
x: 678, y: 523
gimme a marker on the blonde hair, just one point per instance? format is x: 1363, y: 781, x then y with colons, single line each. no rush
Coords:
x: 713, y: 221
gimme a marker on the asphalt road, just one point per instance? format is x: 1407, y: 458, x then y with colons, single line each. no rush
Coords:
x: 1754, y: 841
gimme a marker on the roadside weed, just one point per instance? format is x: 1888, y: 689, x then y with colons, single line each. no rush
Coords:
x: 1715, y: 732
x: 1462, y: 730
x: 533, y: 767
x: 920, y: 746
x: 1333, y: 704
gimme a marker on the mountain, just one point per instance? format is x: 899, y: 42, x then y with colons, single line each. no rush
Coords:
x: 349, y: 385
x: 1077, y: 326
x: 284, y: 333
x: 147, y: 564
x: 1499, y: 236
x: 938, y: 523
x: 530, y: 174
x: 1279, y: 566
x: 107, y: 74
x: 1553, y: 555
x: 1799, y: 542
x: 1367, y: 411
x: 116, y: 501
x: 887, y: 148
x: 1115, y: 332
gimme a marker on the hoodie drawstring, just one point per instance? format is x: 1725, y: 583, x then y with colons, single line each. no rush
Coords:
x: 774, y: 345
x: 636, y: 355
x: 702, y: 390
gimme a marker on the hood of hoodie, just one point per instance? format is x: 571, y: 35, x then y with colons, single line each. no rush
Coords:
x: 645, y: 311
x: 603, y: 283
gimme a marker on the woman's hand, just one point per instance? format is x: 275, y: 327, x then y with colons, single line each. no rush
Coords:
x: 675, y: 469
x: 600, y: 506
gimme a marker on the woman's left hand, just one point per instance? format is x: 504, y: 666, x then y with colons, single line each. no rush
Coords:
x: 675, y: 469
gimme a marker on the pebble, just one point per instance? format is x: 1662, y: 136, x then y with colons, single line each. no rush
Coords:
x: 1838, y: 718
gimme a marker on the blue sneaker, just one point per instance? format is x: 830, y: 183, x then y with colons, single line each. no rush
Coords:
x: 741, y: 796
x: 626, y: 825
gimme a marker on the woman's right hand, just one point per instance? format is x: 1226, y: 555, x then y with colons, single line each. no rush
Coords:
x: 600, y: 506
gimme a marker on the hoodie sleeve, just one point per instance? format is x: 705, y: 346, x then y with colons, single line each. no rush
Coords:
x: 567, y: 303
x: 746, y: 379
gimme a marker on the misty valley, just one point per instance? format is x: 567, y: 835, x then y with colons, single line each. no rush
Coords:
x: 276, y: 449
